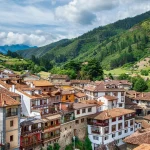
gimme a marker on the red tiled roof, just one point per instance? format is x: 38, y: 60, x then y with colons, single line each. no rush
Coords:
x: 139, y: 137
x: 143, y: 147
x: 42, y: 83
x: 80, y: 94
x: 111, y: 113
x: 110, y: 98
x: 6, y: 100
x: 100, y: 86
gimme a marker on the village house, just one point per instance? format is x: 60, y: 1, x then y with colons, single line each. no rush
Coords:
x: 46, y: 86
x: 110, y: 126
x: 56, y: 78
x: 10, y: 119
x: 50, y: 129
x: 80, y: 96
x: 30, y: 77
x: 96, y: 90
x: 109, y: 102
x: 67, y: 95
x: 137, y: 138
x: 123, y: 84
x: 79, y: 84
x: 142, y: 99
x: 30, y: 137
x: 74, y: 121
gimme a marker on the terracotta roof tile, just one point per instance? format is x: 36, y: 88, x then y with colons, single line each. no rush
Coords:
x: 12, y: 94
x: 80, y: 81
x: 42, y: 83
x: 111, y: 113
x: 81, y: 105
x: 100, y: 86
x: 80, y: 94
x: 143, y: 147
x: 147, y: 117
x: 144, y: 124
x: 139, y: 137
x: 138, y: 95
x: 6, y: 100
x: 99, y: 103
x: 110, y: 98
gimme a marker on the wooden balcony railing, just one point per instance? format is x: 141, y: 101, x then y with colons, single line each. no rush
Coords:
x: 30, y: 144
x: 98, y: 124
x: 31, y: 131
x: 51, y: 137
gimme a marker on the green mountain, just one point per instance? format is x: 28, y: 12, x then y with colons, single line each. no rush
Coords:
x: 113, y: 45
x: 4, y: 49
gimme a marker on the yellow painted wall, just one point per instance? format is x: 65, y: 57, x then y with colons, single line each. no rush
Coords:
x: 14, y: 143
x: 71, y: 98
x: 15, y: 123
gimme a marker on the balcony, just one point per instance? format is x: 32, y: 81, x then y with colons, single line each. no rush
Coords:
x: 10, y: 114
x: 129, y: 117
x: 25, y: 132
x: 51, y: 126
x: 50, y: 138
x: 31, y: 144
x: 102, y: 124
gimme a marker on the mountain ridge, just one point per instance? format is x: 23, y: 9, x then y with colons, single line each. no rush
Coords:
x: 97, y: 43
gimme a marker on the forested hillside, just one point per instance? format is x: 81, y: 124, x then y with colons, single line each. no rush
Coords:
x: 113, y: 45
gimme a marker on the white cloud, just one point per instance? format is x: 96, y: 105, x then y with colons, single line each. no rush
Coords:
x: 40, y: 22
x: 83, y: 12
x: 29, y: 39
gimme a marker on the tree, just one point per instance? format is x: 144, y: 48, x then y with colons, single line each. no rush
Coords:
x: 87, y: 144
x: 93, y: 70
x: 49, y: 147
x: 56, y: 146
x: 140, y: 85
x: 110, y: 76
x: 123, y: 76
x: 130, y: 49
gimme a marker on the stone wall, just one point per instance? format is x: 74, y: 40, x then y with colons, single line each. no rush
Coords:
x: 67, y: 132
x: 81, y: 127
x: 77, y: 127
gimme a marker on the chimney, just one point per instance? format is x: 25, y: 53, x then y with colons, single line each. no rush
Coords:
x: 142, y: 94
x: 135, y: 94
x: 13, y: 88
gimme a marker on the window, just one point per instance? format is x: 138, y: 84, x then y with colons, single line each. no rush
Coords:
x: 113, y: 135
x: 126, y: 131
x: 95, y: 138
x: 131, y: 122
x: 122, y: 93
x: 83, y: 110
x: 113, y: 119
x: 120, y: 133
x: 106, y: 137
x: 120, y: 105
x: 126, y: 124
x: 78, y: 111
x: 77, y: 121
x: 122, y: 99
x: 89, y: 109
x: 82, y: 120
x: 115, y: 93
x: 131, y: 129
x: 11, y: 138
x: 113, y: 128
x: 120, y: 118
x: 120, y: 126
x: 11, y: 123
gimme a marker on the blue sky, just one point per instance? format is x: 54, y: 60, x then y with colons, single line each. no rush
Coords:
x: 40, y: 22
